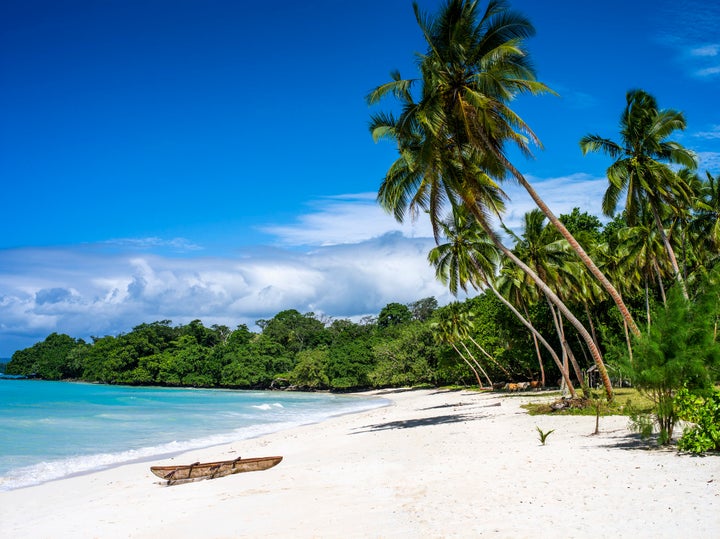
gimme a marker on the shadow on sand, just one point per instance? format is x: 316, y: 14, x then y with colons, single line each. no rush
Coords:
x: 422, y: 422
x: 634, y: 442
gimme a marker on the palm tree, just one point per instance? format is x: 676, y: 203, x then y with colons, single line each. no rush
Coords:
x: 452, y: 140
x: 470, y: 258
x: 452, y: 329
x: 511, y: 285
x: 641, y: 167
x: 475, y: 65
x: 641, y: 250
x: 705, y: 222
x: 542, y: 248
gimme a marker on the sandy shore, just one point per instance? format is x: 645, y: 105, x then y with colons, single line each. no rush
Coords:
x: 433, y: 464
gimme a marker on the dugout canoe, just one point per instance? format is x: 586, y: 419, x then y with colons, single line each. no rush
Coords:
x: 211, y: 470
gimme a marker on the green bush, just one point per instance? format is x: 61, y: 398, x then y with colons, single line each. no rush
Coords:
x: 704, y: 413
x: 678, y: 350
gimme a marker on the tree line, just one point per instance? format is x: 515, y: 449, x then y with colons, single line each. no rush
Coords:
x: 398, y: 347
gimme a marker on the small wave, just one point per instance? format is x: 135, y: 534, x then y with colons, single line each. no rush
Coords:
x: 267, y: 406
x: 263, y: 424
x: 51, y: 470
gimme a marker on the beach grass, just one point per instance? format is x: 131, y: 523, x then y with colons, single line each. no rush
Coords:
x: 626, y: 402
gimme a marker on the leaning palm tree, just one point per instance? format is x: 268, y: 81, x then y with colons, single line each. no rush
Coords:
x: 470, y: 258
x: 475, y: 64
x: 541, y: 247
x: 641, y: 167
x: 511, y: 284
x: 453, y: 328
x: 452, y: 139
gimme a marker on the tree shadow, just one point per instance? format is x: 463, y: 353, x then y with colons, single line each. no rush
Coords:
x: 414, y: 423
x: 388, y: 391
x: 635, y: 442
x: 449, y: 405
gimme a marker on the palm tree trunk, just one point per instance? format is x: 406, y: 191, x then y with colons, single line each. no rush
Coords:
x: 539, y: 355
x: 647, y: 301
x: 540, y: 362
x: 487, y: 355
x: 567, y: 350
x: 561, y: 337
x: 599, y: 275
x: 660, y: 281
x: 627, y: 340
x: 592, y: 326
x: 594, y: 351
x: 477, y: 364
x: 670, y: 252
x: 573, y: 360
x: 475, y: 372
x: 538, y: 336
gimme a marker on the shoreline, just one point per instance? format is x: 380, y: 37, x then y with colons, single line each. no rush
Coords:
x: 37, y: 469
x: 434, y: 463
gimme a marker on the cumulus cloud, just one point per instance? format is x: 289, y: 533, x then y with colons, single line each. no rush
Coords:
x: 562, y: 194
x: 84, y: 292
x: 345, y: 258
x: 345, y: 219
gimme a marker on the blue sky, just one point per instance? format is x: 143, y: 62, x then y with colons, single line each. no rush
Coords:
x: 182, y: 159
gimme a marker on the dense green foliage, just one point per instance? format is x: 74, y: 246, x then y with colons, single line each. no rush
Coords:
x: 679, y: 350
x: 704, y: 414
x: 398, y: 348
x: 47, y: 359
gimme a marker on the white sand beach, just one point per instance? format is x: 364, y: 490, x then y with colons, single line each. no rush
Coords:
x: 433, y: 464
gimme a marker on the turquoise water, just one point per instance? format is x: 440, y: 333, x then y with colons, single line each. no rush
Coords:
x: 49, y: 430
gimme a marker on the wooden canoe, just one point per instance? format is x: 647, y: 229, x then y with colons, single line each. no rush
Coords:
x: 211, y: 470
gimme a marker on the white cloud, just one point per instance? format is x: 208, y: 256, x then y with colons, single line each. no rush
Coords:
x: 574, y: 99
x: 686, y: 25
x: 709, y: 161
x: 561, y: 194
x: 707, y: 50
x: 176, y: 244
x: 345, y: 219
x: 714, y: 133
x: 708, y: 71
x: 108, y: 294
x: 356, y: 259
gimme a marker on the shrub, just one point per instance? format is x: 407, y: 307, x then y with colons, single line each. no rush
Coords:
x: 704, y: 413
x: 679, y: 350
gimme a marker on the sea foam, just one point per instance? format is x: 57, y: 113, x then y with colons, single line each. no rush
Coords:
x: 51, y: 430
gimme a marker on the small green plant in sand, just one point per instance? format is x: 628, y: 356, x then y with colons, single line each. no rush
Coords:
x: 600, y: 404
x: 543, y: 434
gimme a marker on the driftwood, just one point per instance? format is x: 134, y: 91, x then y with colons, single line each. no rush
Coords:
x: 210, y: 470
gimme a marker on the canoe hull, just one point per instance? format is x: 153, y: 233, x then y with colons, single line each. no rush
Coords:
x: 211, y: 470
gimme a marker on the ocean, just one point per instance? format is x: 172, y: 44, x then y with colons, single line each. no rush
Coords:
x: 50, y: 430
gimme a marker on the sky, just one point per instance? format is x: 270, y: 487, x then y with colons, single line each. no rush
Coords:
x: 211, y: 159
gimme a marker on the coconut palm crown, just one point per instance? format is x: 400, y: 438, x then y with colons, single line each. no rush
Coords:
x: 641, y: 167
